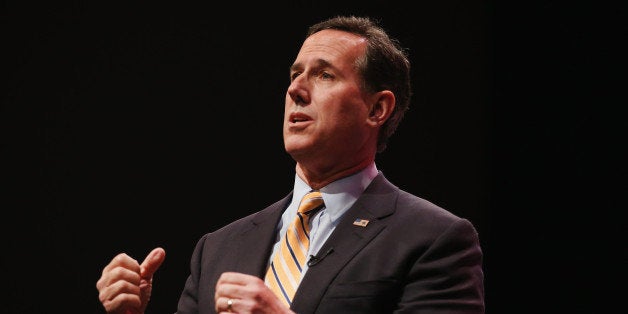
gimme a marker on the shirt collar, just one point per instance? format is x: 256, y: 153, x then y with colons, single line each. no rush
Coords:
x: 340, y: 194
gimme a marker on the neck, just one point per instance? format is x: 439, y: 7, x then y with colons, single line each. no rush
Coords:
x: 317, y: 178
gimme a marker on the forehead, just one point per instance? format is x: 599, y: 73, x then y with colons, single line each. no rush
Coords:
x: 333, y: 46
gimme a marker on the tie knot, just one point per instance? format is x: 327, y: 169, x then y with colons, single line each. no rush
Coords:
x: 311, y: 201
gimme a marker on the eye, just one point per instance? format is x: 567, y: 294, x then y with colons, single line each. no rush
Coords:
x: 326, y: 75
x: 294, y: 75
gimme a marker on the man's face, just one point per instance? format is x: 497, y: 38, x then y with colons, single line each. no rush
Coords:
x: 326, y: 112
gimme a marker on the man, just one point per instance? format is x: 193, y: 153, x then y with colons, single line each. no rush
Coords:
x: 366, y: 246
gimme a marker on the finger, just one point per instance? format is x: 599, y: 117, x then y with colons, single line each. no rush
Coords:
x: 122, y: 260
x: 120, y: 294
x: 238, y: 285
x: 119, y: 289
x: 122, y: 303
x: 224, y: 304
x: 228, y: 285
x: 230, y: 305
x: 121, y: 267
x: 151, y: 263
x: 236, y: 278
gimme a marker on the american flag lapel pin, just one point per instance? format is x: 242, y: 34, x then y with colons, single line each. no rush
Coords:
x: 360, y: 222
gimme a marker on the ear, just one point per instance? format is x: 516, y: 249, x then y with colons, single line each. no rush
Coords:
x: 381, y: 108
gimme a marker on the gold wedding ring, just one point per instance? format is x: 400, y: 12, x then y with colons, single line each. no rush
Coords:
x: 229, y: 304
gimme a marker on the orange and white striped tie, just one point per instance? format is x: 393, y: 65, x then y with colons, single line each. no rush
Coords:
x: 284, y: 274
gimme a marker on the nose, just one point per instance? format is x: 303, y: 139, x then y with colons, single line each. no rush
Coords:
x: 298, y: 91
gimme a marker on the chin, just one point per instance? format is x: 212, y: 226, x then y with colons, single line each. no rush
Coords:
x: 296, y: 148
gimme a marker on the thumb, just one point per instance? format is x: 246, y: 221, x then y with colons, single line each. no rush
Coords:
x: 151, y: 263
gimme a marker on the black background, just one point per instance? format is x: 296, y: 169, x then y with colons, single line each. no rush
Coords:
x: 131, y: 125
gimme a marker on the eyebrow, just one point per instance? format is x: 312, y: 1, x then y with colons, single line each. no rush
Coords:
x: 320, y: 63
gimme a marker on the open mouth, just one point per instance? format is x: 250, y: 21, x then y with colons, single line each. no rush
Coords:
x: 299, y: 117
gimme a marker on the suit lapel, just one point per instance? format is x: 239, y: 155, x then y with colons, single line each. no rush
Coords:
x: 346, y: 241
x: 258, y: 239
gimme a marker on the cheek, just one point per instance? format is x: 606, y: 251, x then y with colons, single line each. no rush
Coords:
x: 350, y: 114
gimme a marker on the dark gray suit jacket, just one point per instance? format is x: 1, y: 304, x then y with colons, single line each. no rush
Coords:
x: 411, y: 257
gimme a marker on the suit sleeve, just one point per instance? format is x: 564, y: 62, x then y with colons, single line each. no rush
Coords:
x: 188, y: 301
x: 448, y: 276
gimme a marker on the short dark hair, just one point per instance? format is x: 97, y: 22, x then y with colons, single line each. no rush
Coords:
x: 385, y: 66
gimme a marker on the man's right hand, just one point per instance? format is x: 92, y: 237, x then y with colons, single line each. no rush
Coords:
x: 125, y: 286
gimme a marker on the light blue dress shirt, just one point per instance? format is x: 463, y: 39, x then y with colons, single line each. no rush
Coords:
x: 338, y: 197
